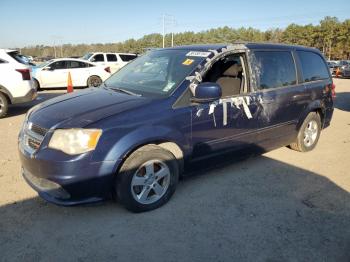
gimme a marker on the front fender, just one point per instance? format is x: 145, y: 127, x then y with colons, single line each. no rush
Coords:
x: 142, y: 136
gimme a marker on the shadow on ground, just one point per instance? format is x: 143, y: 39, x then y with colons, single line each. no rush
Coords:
x: 256, y: 209
x: 19, y: 109
x: 342, y: 101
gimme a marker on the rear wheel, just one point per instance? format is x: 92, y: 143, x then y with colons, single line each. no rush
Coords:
x: 147, y: 179
x: 309, y: 133
x: 94, y: 81
x: 3, y: 105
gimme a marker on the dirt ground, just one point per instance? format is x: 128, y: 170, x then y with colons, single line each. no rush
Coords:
x: 280, y: 206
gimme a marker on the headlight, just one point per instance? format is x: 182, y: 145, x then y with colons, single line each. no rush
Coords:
x: 75, y: 141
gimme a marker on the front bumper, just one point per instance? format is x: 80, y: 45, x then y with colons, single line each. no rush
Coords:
x: 71, y: 182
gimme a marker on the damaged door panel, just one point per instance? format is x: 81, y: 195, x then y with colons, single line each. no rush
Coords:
x: 282, y: 96
x: 232, y: 121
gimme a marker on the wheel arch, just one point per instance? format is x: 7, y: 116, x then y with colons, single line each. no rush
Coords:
x: 117, y: 146
x: 315, y: 106
x: 170, y: 146
x: 6, y: 93
x: 36, y: 79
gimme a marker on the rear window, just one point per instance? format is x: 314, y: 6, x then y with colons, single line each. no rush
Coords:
x: 127, y: 58
x: 313, y: 66
x: 274, y: 69
x: 76, y: 64
x: 112, y: 58
x: 19, y: 58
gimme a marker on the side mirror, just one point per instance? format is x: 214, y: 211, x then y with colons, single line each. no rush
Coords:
x: 48, y: 68
x: 207, y: 92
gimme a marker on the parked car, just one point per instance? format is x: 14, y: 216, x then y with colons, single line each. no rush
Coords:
x: 16, y: 84
x: 114, y: 60
x: 332, y: 65
x: 342, y: 69
x: 133, y: 136
x: 54, y: 73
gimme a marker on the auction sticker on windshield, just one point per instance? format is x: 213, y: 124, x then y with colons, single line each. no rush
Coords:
x: 198, y: 54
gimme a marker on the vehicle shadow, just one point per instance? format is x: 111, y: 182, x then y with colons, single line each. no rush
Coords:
x: 256, y: 209
x: 19, y: 109
x: 342, y: 101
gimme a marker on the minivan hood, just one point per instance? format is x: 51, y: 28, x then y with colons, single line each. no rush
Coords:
x: 83, y: 108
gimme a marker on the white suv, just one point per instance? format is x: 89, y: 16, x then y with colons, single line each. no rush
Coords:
x: 114, y: 60
x: 16, y: 85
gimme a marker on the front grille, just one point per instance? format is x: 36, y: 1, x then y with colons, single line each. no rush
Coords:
x: 34, y: 144
x: 39, y: 130
x: 32, y: 137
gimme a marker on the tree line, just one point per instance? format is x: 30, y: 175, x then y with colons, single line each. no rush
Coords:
x: 331, y: 36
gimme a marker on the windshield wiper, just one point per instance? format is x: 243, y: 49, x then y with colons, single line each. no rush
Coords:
x: 122, y: 90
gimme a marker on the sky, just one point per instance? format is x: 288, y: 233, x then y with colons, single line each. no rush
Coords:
x: 35, y: 22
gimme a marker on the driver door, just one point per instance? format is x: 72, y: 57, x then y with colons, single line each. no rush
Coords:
x: 54, y: 75
x: 231, y: 122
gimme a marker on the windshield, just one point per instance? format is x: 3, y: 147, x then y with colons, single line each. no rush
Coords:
x: 45, y: 63
x: 87, y: 56
x: 156, y: 73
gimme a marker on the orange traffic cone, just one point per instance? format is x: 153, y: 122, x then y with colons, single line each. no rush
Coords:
x: 337, y: 72
x: 69, y: 84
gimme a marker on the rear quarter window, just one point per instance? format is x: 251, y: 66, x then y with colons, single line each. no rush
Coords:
x: 274, y: 69
x: 127, y: 58
x: 313, y: 66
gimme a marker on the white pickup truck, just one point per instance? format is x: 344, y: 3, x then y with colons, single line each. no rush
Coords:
x: 114, y: 60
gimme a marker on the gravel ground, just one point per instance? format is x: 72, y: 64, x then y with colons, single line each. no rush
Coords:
x: 280, y: 206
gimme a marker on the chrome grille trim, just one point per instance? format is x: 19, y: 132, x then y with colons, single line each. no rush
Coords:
x: 38, y: 130
x: 32, y: 137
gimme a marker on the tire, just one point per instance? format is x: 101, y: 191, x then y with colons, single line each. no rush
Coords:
x: 94, y: 81
x: 4, y: 105
x: 308, y: 134
x: 36, y: 84
x: 147, y: 179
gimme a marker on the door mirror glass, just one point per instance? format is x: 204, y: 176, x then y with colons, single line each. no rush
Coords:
x: 48, y: 68
x: 207, y: 92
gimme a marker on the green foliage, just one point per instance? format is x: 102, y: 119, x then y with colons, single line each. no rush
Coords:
x: 331, y: 36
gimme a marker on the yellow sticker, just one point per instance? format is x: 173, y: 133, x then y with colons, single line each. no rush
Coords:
x: 188, y: 62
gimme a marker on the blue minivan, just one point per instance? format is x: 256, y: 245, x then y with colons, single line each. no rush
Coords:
x: 133, y: 136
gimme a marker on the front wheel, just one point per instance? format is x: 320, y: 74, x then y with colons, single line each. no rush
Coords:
x: 94, y: 81
x: 36, y: 84
x: 147, y: 179
x: 309, y: 133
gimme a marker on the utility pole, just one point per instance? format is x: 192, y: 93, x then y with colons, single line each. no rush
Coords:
x: 163, y: 30
x: 55, y: 39
x: 168, y: 20
x: 54, y: 47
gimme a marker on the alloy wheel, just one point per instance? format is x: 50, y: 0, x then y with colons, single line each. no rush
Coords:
x: 310, y: 133
x: 150, y: 182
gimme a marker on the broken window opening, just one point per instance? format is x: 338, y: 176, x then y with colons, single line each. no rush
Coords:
x: 230, y: 73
